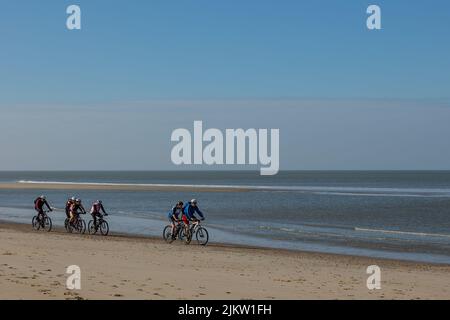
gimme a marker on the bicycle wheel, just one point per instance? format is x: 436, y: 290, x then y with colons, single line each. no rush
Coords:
x: 79, y: 226
x: 35, y: 224
x: 66, y: 224
x: 104, y: 228
x: 202, y: 236
x: 181, y: 233
x: 70, y: 227
x: 91, y: 227
x: 83, y: 227
x: 47, y: 224
x: 167, y: 234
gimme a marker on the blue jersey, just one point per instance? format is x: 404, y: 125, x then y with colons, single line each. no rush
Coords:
x: 189, y: 211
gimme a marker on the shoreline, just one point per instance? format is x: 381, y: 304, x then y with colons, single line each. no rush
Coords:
x: 18, y: 226
x: 132, y: 267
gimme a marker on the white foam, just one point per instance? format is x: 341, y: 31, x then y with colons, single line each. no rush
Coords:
x: 421, y: 234
x: 344, y: 191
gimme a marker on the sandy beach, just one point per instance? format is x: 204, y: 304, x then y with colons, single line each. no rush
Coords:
x: 33, y: 266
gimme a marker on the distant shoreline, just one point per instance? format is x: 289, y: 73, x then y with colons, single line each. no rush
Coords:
x: 113, y: 186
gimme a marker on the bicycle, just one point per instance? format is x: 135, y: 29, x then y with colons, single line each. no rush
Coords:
x: 200, y: 232
x: 44, y: 222
x: 78, y: 225
x: 180, y: 233
x: 101, y: 224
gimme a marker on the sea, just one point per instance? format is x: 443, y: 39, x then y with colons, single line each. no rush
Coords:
x: 402, y: 215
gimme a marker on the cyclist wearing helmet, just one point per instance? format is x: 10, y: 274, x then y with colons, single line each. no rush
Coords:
x: 189, y: 211
x: 77, y: 206
x: 96, y: 210
x: 69, y: 203
x: 39, y: 206
x: 174, y: 215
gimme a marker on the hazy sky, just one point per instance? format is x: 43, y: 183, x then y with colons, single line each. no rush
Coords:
x: 108, y: 96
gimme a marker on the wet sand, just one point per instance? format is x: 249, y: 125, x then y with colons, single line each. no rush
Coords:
x: 33, y: 266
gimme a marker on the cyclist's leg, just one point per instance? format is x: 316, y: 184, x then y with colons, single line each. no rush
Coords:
x: 174, y: 227
x: 185, y: 224
x: 94, y: 216
x: 72, y: 217
x: 40, y: 215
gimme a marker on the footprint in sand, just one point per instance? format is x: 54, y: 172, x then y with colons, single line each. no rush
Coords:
x: 44, y: 291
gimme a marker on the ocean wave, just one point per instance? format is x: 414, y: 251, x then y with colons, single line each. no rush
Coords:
x: 406, y: 233
x: 325, y: 190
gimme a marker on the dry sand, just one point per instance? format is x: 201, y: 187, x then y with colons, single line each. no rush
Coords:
x: 33, y: 265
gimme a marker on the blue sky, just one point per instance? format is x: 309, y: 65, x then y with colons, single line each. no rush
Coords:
x: 303, y: 57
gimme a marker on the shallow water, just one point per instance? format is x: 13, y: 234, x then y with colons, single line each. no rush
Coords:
x: 403, y: 215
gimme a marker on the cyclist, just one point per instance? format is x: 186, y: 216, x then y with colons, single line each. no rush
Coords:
x: 189, y: 211
x: 69, y: 203
x: 75, y: 209
x: 96, y: 211
x: 174, y: 216
x: 39, y: 206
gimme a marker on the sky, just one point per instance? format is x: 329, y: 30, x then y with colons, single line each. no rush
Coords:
x: 108, y: 96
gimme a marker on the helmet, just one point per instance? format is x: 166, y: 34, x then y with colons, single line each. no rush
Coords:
x: 78, y: 200
x: 180, y: 203
x: 42, y: 197
x: 73, y: 199
x: 194, y: 201
x: 99, y: 201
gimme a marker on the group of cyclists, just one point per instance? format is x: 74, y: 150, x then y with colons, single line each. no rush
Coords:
x: 73, y: 209
x: 180, y: 214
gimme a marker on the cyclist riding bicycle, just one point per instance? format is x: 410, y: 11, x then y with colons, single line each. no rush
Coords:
x: 69, y: 203
x: 173, y: 216
x: 189, y: 211
x: 39, y: 206
x: 96, y: 211
x: 75, y: 210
